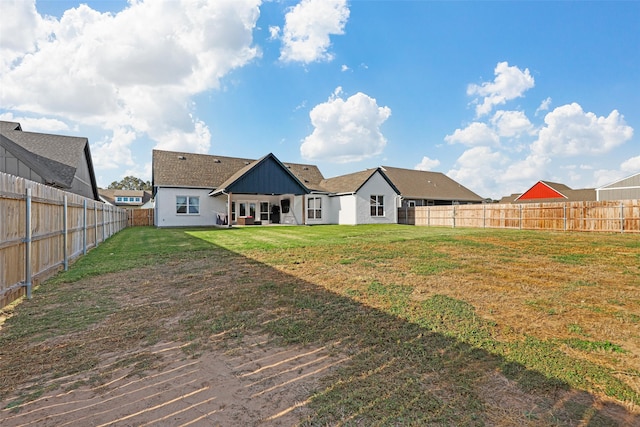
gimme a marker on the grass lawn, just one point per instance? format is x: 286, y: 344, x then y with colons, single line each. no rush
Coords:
x: 437, y: 323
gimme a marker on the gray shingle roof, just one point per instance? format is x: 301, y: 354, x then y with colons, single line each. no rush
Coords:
x: 55, y: 158
x: 426, y: 185
x: 177, y: 169
x: 350, y: 183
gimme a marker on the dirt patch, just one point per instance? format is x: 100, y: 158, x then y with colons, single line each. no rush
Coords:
x: 252, y: 382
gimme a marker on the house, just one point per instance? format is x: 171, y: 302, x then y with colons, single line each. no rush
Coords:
x: 546, y: 192
x: 127, y: 199
x: 425, y: 188
x: 59, y: 161
x: 366, y: 197
x: 204, y: 190
x: 624, y: 189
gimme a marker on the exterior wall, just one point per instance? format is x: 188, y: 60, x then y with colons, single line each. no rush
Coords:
x: 619, y: 194
x: 345, y: 209
x: 165, y: 211
x: 326, y: 205
x: 82, y: 180
x: 625, y: 189
x: 11, y: 165
x: 376, y: 185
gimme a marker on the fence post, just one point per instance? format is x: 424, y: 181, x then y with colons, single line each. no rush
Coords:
x: 520, y: 227
x: 65, y: 232
x: 564, y: 216
x: 453, y: 216
x: 84, y: 227
x: 103, y: 226
x: 27, y: 246
x: 484, y: 216
x: 621, y: 217
x: 428, y: 216
x: 95, y: 223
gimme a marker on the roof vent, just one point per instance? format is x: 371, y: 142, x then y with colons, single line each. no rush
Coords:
x: 216, y: 160
x: 182, y: 158
x: 246, y: 163
x: 305, y: 168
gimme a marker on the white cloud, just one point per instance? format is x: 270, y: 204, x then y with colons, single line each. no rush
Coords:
x: 135, y: 70
x: 114, y: 152
x: 569, y: 131
x: 511, y: 123
x: 197, y: 141
x: 274, y: 32
x: 41, y: 124
x: 344, y: 68
x: 544, y: 105
x: 478, y: 169
x: 476, y: 133
x: 631, y: 165
x: 427, y: 164
x: 510, y: 83
x: 308, y: 25
x: 346, y: 130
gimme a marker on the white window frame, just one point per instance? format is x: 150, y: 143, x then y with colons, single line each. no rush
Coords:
x: 314, y: 208
x: 189, y: 205
x: 376, y: 202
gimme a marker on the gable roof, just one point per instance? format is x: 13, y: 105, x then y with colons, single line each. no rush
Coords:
x: 109, y: 195
x: 264, y: 176
x: 630, y: 181
x: 547, y: 191
x: 56, y: 158
x: 178, y: 169
x: 427, y: 185
x: 351, y: 183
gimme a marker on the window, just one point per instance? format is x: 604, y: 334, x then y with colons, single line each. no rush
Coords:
x: 188, y: 205
x: 264, y: 211
x: 377, y: 205
x: 314, y: 208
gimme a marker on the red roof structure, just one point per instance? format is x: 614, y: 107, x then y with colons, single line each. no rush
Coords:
x: 544, y: 190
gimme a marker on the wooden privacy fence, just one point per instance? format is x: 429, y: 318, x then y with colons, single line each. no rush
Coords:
x: 140, y: 217
x: 42, y: 228
x: 606, y: 216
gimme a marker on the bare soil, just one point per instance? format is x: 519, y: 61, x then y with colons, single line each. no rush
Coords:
x: 160, y: 360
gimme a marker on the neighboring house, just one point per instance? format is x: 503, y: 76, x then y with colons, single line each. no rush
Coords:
x: 624, y: 189
x: 204, y: 190
x: 128, y: 199
x: 546, y: 191
x: 59, y: 161
x: 425, y: 188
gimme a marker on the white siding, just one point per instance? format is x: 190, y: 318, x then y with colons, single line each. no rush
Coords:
x: 165, y: 209
x: 376, y: 185
x: 325, y: 207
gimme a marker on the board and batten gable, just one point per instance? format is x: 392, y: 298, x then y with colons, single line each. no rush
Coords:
x: 166, y: 214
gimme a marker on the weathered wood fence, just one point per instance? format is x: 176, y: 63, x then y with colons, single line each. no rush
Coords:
x: 606, y: 216
x: 42, y: 229
x: 140, y: 217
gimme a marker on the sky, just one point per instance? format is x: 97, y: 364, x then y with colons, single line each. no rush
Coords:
x: 495, y: 94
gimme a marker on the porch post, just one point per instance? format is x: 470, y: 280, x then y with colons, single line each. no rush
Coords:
x: 304, y: 210
x: 229, y: 210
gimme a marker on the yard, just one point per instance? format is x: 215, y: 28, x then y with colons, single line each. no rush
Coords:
x: 331, y: 325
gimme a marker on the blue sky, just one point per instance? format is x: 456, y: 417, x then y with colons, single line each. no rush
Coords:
x: 497, y: 95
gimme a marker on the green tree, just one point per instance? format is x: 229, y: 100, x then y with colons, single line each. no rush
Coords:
x: 130, y: 183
